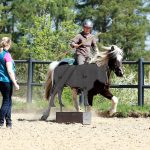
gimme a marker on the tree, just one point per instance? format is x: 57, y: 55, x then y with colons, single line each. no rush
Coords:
x: 129, y: 24
x: 61, y: 10
x: 5, y: 21
x: 122, y: 22
x: 44, y: 43
x: 32, y: 21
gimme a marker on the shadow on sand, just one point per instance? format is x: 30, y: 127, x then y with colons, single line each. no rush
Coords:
x: 35, y: 120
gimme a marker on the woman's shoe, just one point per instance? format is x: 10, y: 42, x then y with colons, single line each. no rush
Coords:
x: 9, y: 126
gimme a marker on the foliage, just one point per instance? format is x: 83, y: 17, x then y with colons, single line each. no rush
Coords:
x: 122, y: 22
x: 45, y: 43
x: 101, y: 105
x: 43, y: 29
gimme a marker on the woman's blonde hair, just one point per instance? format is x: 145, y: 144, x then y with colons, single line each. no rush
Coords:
x: 4, y: 42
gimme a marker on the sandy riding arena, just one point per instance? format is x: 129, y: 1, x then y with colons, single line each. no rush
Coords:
x: 28, y: 133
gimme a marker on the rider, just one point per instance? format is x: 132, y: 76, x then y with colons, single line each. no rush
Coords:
x: 84, y: 43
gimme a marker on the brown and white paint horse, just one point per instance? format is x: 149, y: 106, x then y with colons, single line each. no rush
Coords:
x: 96, y: 81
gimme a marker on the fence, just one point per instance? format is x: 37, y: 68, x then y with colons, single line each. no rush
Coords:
x: 140, y: 86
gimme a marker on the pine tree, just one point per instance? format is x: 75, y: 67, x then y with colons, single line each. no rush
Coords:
x: 5, y: 19
x: 50, y: 29
x: 122, y: 22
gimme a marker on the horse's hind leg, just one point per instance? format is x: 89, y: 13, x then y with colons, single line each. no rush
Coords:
x: 47, y: 112
x: 60, y: 99
x: 52, y: 104
x: 75, y: 101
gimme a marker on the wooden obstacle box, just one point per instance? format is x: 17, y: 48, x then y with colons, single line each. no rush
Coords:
x: 74, y: 117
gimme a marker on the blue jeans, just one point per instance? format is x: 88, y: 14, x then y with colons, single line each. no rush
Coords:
x: 6, y: 89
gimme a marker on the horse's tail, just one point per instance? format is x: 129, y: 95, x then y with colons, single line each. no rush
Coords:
x: 49, y: 80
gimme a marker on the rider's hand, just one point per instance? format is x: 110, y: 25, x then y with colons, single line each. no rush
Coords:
x: 75, y: 45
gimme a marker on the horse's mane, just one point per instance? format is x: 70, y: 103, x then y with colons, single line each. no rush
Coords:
x: 102, y: 58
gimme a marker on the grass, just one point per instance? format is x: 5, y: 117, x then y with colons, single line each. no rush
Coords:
x: 124, y: 110
x: 100, y: 106
x: 19, y: 106
x: 127, y: 102
x: 38, y: 103
x: 127, y: 97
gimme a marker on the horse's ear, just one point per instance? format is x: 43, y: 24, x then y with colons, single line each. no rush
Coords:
x: 112, y: 48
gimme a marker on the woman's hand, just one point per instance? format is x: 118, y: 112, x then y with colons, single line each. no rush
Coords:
x: 17, y: 86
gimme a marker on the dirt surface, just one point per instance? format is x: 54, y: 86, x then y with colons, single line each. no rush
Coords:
x: 28, y: 133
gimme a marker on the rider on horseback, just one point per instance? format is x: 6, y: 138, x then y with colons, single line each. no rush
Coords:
x: 84, y: 43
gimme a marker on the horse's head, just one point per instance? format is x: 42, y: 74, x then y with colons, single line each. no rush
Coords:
x: 112, y: 57
x: 115, y: 60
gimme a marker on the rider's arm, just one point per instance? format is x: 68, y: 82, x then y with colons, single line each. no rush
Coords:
x: 94, y: 45
x: 74, y: 42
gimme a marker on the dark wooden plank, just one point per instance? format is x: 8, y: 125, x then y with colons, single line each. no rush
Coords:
x: 73, y: 117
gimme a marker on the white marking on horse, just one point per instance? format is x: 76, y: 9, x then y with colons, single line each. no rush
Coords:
x: 119, y: 57
x: 113, y: 108
x: 52, y: 67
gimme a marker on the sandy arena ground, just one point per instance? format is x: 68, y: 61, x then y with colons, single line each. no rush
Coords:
x: 28, y: 133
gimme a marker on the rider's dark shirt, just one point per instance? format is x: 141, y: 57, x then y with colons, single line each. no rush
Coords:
x: 88, y: 40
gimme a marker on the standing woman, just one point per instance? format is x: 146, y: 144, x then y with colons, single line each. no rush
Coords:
x: 7, y: 80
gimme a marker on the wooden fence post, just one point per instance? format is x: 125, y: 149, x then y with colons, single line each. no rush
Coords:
x: 140, y: 82
x: 29, y: 82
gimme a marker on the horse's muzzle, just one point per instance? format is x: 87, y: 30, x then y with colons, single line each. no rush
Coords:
x: 119, y: 72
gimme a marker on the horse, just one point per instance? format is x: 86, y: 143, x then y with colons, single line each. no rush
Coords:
x: 92, y: 79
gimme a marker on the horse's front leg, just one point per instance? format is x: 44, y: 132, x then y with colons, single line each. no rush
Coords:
x: 113, y: 108
x: 85, y: 93
x: 106, y: 93
x: 74, y: 98
x: 90, y: 100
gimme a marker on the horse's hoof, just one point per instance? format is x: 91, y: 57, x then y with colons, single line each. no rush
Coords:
x: 86, y: 104
x: 112, y: 112
x: 43, y: 118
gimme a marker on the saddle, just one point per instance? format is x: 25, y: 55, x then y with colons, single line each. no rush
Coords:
x: 70, y: 61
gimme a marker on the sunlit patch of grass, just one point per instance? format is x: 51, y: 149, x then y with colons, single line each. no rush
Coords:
x: 124, y: 110
x: 40, y: 103
x: 19, y: 106
x: 24, y: 106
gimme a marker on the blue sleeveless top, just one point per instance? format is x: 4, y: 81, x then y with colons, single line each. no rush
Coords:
x: 4, y: 76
